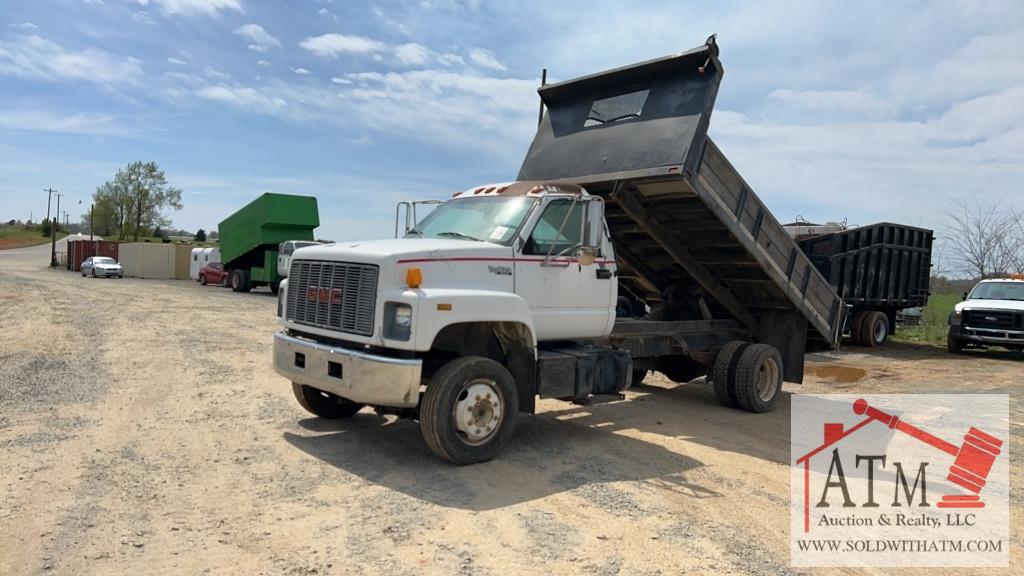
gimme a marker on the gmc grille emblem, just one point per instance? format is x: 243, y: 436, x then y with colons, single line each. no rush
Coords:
x: 319, y: 294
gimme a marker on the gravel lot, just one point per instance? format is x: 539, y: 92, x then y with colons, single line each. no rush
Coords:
x: 143, y: 430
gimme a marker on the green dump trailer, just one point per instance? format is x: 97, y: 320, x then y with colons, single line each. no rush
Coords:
x: 249, y: 238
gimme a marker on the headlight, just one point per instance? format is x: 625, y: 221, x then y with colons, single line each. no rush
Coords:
x: 954, y: 318
x: 397, y: 321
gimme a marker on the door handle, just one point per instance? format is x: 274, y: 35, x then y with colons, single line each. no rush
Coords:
x: 603, y: 273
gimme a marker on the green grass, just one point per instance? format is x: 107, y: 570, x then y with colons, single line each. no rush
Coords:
x: 933, y: 322
x: 19, y: 237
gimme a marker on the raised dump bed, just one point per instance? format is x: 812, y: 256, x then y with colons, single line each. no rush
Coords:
x: 692, y: 239
x: 882, y: 269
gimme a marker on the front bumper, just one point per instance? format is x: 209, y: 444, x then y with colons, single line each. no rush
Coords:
x: 988, y: 335
x: 357, y: 376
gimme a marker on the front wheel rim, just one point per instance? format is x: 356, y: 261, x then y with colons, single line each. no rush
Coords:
x: 767, y: 380
x: 478, y: 411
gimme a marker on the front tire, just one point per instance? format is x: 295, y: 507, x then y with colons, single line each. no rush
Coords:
x: 202, y: 279
x: 468, y: 413
x: 324, y: 404
x: 954, y: 344
x: 758, y: 378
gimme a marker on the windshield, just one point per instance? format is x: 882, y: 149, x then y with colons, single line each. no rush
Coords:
x: 488, y: 219
x: 998, y: 291
x: 104, y: 261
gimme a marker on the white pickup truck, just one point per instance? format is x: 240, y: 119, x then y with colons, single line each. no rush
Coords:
x: 627, y: 244
x: 991, y: 314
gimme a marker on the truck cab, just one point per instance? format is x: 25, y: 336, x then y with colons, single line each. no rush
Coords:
x: 284, y: 254
x: 991, y: 314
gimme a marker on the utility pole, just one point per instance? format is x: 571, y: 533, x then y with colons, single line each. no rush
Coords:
x: 53, y: 244
x: 53, y: 231
x: 90, y: 220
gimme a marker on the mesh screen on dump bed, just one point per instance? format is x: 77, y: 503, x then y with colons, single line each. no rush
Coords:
x: 615, y: 108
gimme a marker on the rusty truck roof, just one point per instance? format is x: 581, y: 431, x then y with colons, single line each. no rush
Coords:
x: 524, y: 188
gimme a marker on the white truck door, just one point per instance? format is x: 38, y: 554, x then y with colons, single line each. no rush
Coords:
x: 566, y: 298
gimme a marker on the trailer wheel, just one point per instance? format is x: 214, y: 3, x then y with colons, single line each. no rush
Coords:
x: 758, y: 378
x: 856, y: 325
x: 468, y: 413
x: 324, y: 404
x: 240, y: 281
x: 725, y: 387
x: 875, y: 329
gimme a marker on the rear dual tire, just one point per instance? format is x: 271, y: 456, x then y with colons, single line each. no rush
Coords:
x: 240, y: 281
x: 748, y: 376
x: 869, y: 328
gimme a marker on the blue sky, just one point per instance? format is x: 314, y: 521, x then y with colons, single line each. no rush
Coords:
x: 869, y: 111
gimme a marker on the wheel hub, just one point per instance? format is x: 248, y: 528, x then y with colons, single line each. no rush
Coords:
x: 767, y: 379
x: 478, y: 412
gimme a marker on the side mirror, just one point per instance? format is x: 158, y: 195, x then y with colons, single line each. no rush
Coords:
x: 965, y: 296
x: 593, y: 227
x: 585, y: 255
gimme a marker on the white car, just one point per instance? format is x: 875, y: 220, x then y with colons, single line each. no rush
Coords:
x: 991, y: 314
x: 102, y: 266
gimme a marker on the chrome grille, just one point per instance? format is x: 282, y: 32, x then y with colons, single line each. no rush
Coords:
x: 333, y: 295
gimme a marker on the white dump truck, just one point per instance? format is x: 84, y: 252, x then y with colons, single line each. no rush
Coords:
x: 628, y: 243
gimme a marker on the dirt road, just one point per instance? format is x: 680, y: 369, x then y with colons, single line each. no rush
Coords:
x: 143, y: 431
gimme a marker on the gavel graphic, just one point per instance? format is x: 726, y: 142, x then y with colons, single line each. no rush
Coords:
x: 972, y: 461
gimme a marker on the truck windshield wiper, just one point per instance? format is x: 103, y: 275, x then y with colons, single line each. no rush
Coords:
x: 458, y: 235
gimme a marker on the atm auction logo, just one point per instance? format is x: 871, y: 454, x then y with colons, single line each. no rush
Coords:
x: 891, y: 480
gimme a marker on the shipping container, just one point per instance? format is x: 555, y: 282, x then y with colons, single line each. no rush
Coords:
x: 80, y: 249
x: 144, y: 260
x: 182, y: 257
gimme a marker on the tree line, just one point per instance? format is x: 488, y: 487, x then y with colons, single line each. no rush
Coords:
x: 134, y: 203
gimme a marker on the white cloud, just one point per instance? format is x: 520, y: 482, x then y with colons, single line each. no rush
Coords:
x: 211, y: 72
x: 260, y: 39
x: 327, y: 14
x: 333, y: 45
x: 449, y: 59
x: 193, y: 7
x: 176, y: 61
x: 243, y: 97
x: 143, y: 17
x: 38, y: 58
x: 34, y: 120
x: 463, y: 111
x: 24, y: 26
x: 263, y: 63
x: 485, y: 58
x: 412, y: 54
x: 847, y: 101
x: 300, y: 71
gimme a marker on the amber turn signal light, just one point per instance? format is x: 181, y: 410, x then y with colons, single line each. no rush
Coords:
x: 414, y: 277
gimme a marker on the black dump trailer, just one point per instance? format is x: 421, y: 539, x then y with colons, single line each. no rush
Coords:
x: 704, y: 268
x: 878, y: 270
